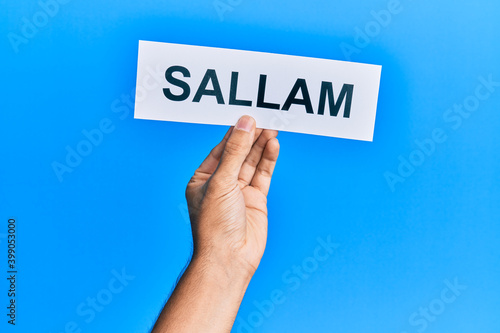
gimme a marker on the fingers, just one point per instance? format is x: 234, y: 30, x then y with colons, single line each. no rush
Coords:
x: 212, y: 160
x: 250, y: 165
x: 210, y: 163
x: 236, y: 149
x: 262, y: 178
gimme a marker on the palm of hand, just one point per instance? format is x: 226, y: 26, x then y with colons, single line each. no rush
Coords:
x: 230, y: 213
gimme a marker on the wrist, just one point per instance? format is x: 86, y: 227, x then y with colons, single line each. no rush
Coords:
x: 206, y: 298
x: 223, y: 269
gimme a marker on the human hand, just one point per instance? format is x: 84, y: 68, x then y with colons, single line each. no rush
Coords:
x: 227, y: 201
x: 227, y: 197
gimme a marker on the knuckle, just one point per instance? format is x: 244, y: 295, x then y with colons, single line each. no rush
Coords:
x: 215, y: 184
x: 213, y: 153
x: 235, y: 148
x: 265, y: 172
x: 219, y: 184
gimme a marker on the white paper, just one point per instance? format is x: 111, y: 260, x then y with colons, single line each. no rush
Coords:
x: 282, y: 73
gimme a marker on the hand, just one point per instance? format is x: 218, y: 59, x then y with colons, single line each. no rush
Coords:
x: 227, y: 197
x: 227, y: 200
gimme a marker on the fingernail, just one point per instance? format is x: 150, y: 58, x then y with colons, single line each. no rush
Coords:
x: 245, y: 123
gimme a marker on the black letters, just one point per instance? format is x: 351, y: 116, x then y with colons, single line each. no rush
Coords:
x: 210, y: 75
x: 176, y: 82
x: 234, y: 89
x: 306, y: 99
x: 327, y: 88
x: 262, y: 92
x: 326, y: 92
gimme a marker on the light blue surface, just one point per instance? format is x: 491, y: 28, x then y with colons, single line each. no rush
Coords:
x: 122, y: 206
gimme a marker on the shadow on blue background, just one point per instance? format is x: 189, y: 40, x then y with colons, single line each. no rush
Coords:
x: 120, y: 211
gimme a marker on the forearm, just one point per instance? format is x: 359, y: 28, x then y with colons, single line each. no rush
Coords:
x: 206, y: 298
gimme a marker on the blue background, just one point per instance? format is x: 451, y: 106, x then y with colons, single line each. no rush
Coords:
x: 123, y: 205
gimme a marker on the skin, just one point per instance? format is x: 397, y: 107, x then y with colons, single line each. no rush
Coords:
x: 227, y: 201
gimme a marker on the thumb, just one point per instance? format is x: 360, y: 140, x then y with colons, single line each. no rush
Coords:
x: 237, y: 147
